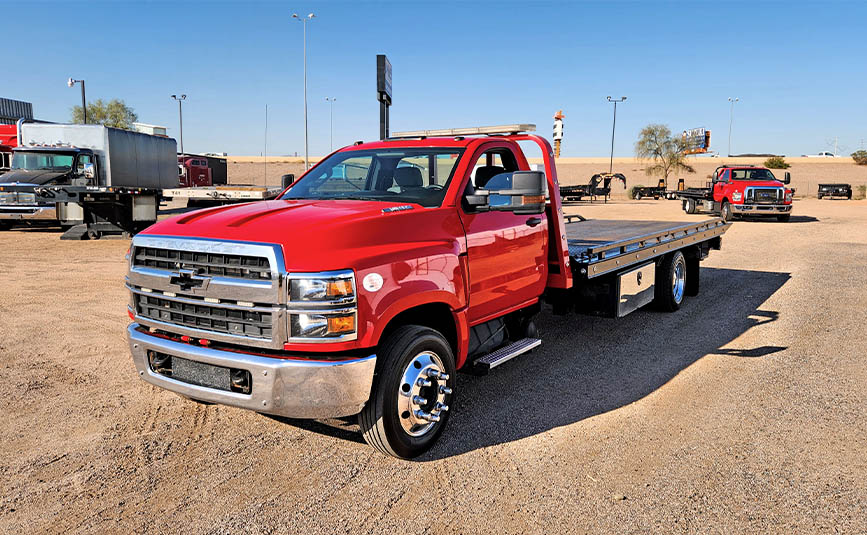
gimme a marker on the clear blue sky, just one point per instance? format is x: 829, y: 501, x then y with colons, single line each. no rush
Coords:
x: 798, y: 68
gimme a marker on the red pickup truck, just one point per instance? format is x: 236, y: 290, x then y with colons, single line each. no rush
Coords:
x: 380, y: 273
x: 736, y: 191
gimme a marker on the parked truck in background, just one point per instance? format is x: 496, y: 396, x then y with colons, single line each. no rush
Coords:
x: 380, y: 273
x: 94, y: 177
x: 741, y: 191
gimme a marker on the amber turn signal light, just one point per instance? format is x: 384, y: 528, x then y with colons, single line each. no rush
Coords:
x: 341, y: 324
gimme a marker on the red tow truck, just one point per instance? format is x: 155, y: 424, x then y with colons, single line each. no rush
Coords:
x: 380, y: 273
x: 741, y: 191
x: 8, y: 141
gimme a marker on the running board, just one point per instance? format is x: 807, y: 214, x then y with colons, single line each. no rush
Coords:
x: 484, y: 363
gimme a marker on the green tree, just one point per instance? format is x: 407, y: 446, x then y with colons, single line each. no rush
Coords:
x: 113, y: 113
x: 860, y: 157
x: 666, y: 152
x: 777, y: 162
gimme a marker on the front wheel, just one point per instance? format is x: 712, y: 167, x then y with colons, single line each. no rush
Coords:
x: 726, y: 211
x: 670, y: 284
x: 413, y: 387
x: 689, y: 206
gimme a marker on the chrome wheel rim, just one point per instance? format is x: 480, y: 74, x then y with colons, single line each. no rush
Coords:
x: 678, y: 280
x: 422, y: 394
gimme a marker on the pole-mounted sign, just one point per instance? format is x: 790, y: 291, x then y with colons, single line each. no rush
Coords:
x: 383, y: 92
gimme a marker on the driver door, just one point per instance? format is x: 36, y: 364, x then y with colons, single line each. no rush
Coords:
x: 506, y: 252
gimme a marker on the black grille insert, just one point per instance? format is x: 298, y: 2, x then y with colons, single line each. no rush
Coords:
x: 200, y: 373
x: 250, y: 323
x: 213, y: 264
x: 766, y: 195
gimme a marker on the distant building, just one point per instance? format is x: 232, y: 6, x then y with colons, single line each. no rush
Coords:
x: 12, y: 110
x: 151, y: 129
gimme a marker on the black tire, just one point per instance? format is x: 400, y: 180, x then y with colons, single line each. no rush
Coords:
x: 726, y: 211
x: 784, y: 218
x: 689, y: 206
x: 820, y: 196
x: 5, y: 225
x: 668, y: 296
x: 381, y: 424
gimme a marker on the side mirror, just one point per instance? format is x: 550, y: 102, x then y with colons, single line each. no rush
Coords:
x: 89, y: 171
x: 787, y: 178
x: 526, y: 196
x: 287, y: 180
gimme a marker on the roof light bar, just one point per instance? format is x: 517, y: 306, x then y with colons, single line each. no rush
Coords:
x: 474, y: 131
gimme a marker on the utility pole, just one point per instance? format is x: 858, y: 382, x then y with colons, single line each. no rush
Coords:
x: 731, y: 118
x: 180, y: 100
x: 265, y: 149
x: 71, y: 83
x: 303, y: 21
x: 613, y: 126
x: 332, y: 100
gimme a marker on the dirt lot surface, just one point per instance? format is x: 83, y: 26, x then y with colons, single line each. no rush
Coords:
x: 742, y: 413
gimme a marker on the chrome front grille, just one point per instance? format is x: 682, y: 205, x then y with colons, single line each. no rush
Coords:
x: 187, y: 312
x: 225, y: 291
x: 204, y: 263
x: 764, y: 195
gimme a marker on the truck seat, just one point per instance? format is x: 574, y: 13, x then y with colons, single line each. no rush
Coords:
x: 408, y: 177
x: 485, y: 173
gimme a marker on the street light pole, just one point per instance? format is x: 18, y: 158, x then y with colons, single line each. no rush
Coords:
x: 306, y: 146
x: 72, y: 83
x: 613, y: 126
x: 332, y: 100
x: 180, y: 99
x: 731, y: 119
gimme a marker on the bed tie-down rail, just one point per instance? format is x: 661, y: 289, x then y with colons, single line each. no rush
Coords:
x: 597, y: 248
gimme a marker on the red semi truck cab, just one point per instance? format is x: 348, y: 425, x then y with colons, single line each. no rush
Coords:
x: 383, y: 270
x: 737, y: 191
x: 193, y: 171
x: 8, y: 141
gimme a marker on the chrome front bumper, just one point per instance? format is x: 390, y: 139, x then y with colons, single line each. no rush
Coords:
x: 28, y: 213
x: 291, y: 388
x: 759, y: 209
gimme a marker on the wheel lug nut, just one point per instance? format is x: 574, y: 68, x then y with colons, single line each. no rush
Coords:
x: 422, y: 382
x: 438, y: 375
x: 445, y: 390
x: 418, y: 400
x: 440, y: 407
x: 426, y: 416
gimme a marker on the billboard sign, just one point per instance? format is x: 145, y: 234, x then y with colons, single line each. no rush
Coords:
x: 383, y: 79
x: 697, y: 140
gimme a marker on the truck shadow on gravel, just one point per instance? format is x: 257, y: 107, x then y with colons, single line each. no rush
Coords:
x: 588, y: 366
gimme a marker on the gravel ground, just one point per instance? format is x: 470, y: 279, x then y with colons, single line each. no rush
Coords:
x: 742, y: 413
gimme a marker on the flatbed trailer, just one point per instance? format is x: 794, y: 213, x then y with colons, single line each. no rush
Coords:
x: 212, y: 195
x: 835, y: 190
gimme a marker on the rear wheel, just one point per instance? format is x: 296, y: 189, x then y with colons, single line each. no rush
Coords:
x: 413, y: 387
x: 820, y: 195
x: 670, y: 285
x: 689, y: 206
x: 726, y: 211
x: 784, y: 218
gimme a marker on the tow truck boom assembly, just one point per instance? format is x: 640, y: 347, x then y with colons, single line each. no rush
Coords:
x: 380, y: 273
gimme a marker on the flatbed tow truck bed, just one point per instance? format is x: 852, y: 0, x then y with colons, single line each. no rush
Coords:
x: 599, y: 246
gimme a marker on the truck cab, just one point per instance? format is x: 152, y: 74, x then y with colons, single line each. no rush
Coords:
x: 44, y: 165
x: 380, y: 273
x: 742, y: 191
x: 193, y: 171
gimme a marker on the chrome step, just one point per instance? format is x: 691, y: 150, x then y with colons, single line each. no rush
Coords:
x: 505, y: 354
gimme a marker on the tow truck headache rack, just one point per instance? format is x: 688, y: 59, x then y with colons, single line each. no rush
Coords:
x: 506, y: 129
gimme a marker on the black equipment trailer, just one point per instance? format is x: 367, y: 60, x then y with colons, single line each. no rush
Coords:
x: 593, y: 189
x: 659, y: 191
x: 835, y: 190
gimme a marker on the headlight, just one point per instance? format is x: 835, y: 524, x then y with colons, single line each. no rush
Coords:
x: 737, y: 196
x: 322, y: 306
x: 789, y: 197
x: 7, y: 198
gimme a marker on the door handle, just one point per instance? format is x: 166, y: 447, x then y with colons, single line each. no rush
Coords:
x: 533, y: 221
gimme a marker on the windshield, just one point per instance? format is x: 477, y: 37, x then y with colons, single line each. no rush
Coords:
x: 752, y: 174
x: 42, y: 161
x: 396, y: 175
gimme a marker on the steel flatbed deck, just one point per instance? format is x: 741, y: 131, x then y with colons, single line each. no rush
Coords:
x: 600, y: 246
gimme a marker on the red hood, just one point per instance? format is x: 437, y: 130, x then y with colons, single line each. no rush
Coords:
x: 312, y: 232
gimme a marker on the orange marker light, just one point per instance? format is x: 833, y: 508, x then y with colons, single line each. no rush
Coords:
x: 341, y: 324
x: 339, y: 288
